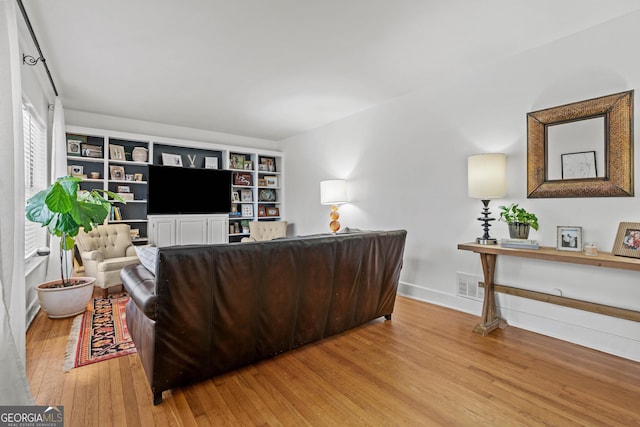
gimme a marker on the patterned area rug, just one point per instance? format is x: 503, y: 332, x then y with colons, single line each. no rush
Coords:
x: 100, y: 333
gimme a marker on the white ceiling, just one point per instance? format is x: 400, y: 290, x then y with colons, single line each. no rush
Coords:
x: 274, y: 68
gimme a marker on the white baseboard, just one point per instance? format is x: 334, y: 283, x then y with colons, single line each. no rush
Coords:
x: 618, y: 337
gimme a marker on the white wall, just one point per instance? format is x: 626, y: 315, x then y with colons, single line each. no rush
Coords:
x: 405, y: 162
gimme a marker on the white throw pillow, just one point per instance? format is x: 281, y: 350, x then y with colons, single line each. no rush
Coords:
x: 147, y: 256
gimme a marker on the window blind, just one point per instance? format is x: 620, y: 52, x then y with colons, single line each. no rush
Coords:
x: 35, y: 173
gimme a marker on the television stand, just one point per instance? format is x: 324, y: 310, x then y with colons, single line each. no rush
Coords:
x: 192, y: 229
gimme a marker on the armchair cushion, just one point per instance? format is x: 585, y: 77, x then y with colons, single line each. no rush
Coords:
x: 266, y: 230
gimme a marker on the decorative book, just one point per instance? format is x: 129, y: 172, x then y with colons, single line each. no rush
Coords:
x: 519, y: 243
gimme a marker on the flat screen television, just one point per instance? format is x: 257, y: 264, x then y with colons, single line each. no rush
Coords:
x: 176, y: 190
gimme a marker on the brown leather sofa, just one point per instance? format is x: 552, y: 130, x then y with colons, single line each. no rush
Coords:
x: 213, y: 308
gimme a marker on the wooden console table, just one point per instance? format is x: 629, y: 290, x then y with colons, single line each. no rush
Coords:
x: 488, y: 256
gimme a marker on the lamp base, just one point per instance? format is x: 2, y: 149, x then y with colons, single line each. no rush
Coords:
x: 489, y: 241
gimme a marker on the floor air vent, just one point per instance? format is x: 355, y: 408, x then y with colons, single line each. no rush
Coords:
x: 468, y: 286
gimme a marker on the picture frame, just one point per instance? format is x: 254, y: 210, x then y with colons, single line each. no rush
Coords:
x: 235, y: 197
x: 246, y: 195
x: 248, y: 165
x: 169, y: 159
x: 74, y: 144
x: 116, y: 152
x: 77, y: 170
x: 236, y: 161
x: 123, y: 189
x: 269, y: 162
x: 569, y: 238
x: 262, y: 211
x: 627, y: 241
x: 137, y: 177
x: 247, y: 210
x: 262, y: 167
x: 89, y: 150
x: 262, y: 182
x: 579, y: 165
x: 273, y: 211
x: 116, y: 172
x: 271, y: 181
x: 211, y: 163
x: 241, y: 178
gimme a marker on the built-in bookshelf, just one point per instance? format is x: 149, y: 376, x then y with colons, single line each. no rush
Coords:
x: 118, y: 161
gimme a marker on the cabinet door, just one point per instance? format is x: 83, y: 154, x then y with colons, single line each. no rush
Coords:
x: 163, y: 231
x: 218, y: 229
x: 191, y: 231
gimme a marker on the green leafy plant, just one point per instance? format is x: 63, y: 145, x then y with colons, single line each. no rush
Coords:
x: 63, y: 210
x: 514, y: 213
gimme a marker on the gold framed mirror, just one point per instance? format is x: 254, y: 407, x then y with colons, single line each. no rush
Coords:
x: 590, y: 142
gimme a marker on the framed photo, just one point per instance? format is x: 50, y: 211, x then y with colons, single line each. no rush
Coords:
x: 273, y: 211
x: 569, y: 238
x: 236, y: 161
x: 247, y: 210
x: 116, y: 172
x: 76, y: 170
x: 171, y: 159
x: 74, y: 144
x: 263, y: 167
x: 235, y: 197
x: 262, y: 182
x: 123, y: 189
x: 246, y: 196
x: 579, y: 165
x: 240, y: 178
x: 271, y: 181
x: 89, y: 150
x: 116, y: 152
x: 627, y: 241
x: 248, y: 165
x: 137, y: 177
x: 211, y: 163
x: 269, y: 162
x: 262, y: 211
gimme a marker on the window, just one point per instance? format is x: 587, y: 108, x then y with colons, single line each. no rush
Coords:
x: 35, y: 174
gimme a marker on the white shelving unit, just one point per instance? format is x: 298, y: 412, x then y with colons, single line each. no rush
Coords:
x: 260, y: 197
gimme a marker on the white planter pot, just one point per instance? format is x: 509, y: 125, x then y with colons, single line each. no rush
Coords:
x: 65, y: 302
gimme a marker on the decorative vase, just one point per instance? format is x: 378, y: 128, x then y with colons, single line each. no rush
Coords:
x: 140, y: 154
x: 65, y: 302
x: 519, y: 230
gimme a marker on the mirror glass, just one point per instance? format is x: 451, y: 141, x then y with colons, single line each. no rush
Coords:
x: 575, y: 150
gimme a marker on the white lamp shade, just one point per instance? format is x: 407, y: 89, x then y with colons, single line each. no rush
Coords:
x: 487, y: 176
x: 333, y: 192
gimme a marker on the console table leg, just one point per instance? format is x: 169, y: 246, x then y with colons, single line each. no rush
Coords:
x: 490, y: 320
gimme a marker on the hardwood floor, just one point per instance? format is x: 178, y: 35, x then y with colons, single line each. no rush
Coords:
x: 424, y: 367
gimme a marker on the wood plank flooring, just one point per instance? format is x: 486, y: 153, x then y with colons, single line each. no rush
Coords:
x: 423, y: 368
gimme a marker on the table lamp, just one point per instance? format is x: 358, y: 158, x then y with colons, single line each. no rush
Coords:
x: 487, y: 175
x: 333, y: 192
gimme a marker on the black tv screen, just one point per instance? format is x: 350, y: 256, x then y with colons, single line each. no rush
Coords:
x: 177, y: 190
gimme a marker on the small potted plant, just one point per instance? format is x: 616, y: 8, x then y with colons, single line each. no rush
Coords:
x: 245, y: 226
x: 520, y: 221
x: 64, y: 209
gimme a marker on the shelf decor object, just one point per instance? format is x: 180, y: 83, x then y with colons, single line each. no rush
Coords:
x: 487, y: 180
x: 333, y: 192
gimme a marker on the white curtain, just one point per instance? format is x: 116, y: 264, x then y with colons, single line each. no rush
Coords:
x: 14, y: 388
x: 59, y: 142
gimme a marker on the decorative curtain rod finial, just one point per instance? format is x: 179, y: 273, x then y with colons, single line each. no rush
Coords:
x: 30, y: 60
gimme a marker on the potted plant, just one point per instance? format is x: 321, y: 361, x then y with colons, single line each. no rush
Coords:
x: 245, y: 226
x: 63, y: 209
x: 519, y: 220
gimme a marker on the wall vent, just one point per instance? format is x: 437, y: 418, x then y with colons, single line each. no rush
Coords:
x: 468, y: 286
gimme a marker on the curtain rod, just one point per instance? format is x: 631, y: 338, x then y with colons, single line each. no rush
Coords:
x: 35, y: 41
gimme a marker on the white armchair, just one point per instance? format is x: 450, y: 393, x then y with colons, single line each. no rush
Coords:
x: 265, y: 230
x: 105, y: 250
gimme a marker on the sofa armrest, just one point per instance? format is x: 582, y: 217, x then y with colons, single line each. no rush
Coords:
x: 140, y: 284
x: 130, y: 251
x: 92, y: 256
